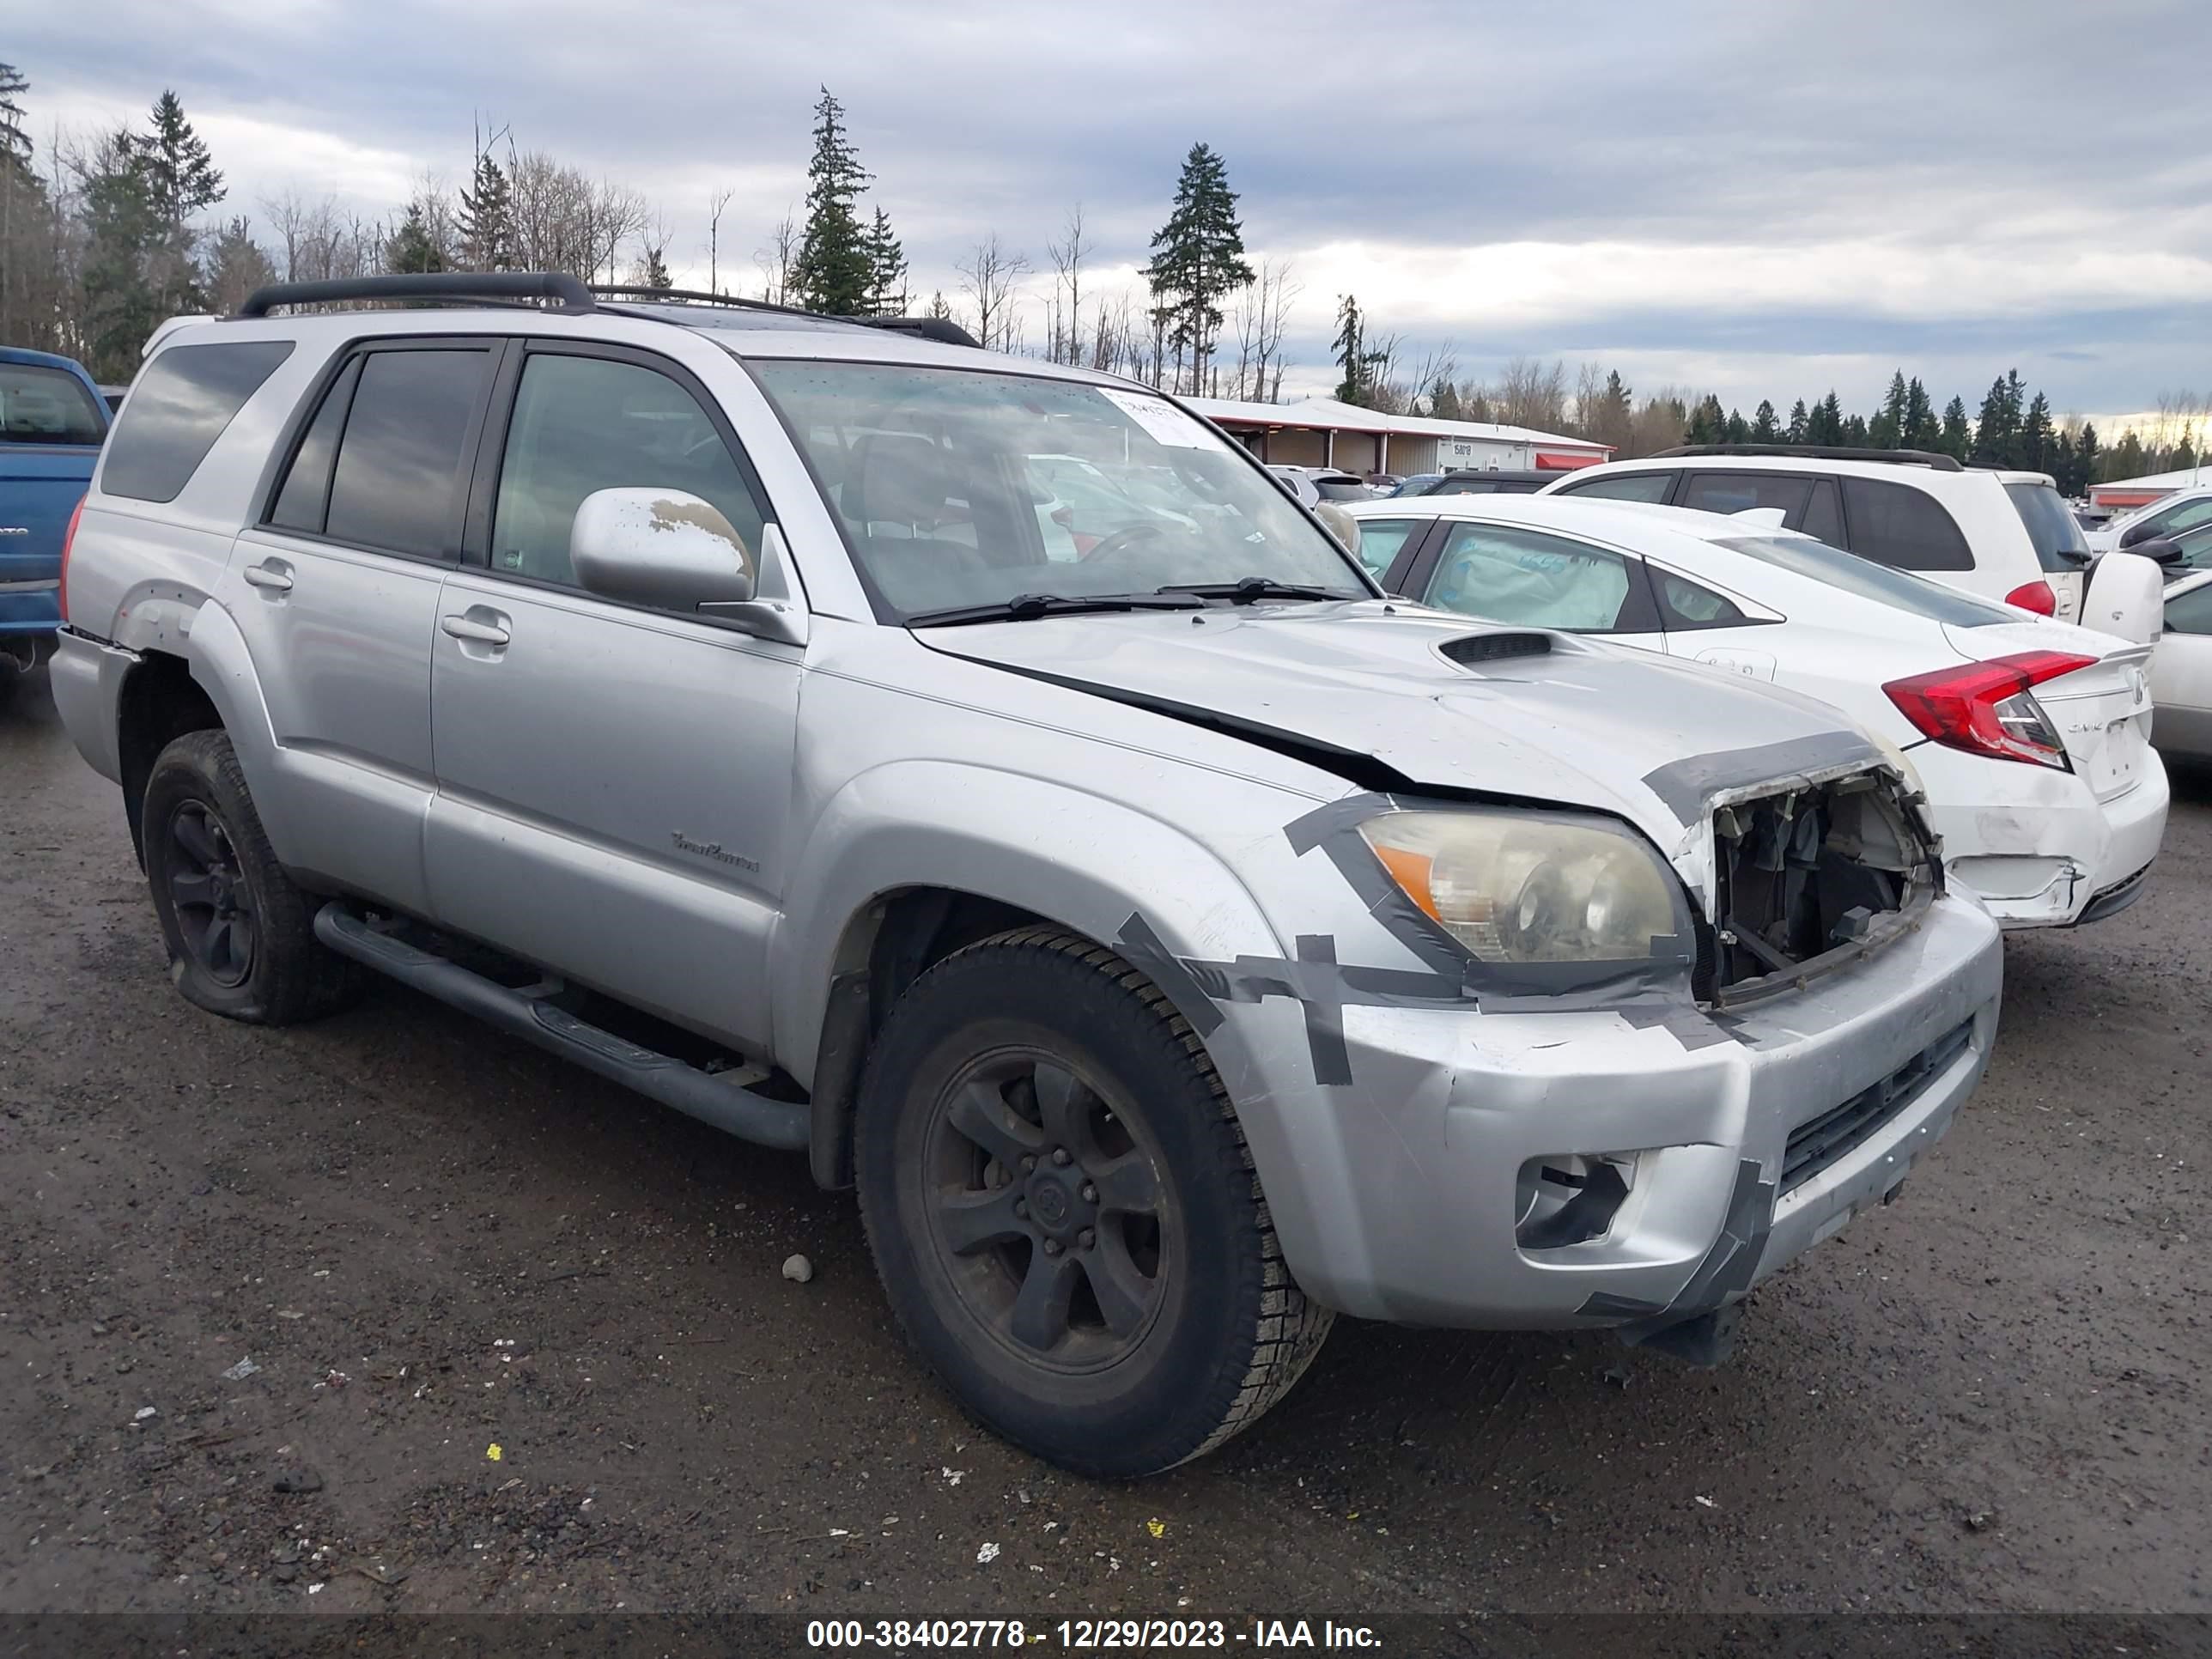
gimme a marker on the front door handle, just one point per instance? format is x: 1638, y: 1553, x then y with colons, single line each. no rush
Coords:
x: 467, y: 627
x: 271, y: 574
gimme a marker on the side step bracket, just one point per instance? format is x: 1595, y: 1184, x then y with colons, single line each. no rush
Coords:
x: 719, y: 1099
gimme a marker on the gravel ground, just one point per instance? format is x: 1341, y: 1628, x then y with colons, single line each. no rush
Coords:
x: 519, y: 1341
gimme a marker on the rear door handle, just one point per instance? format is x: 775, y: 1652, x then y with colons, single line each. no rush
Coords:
x: 271, y: 574
x: 467, y: 627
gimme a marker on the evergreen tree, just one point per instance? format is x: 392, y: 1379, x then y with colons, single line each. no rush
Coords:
x: 1825, y: 423
x: 2037, y: 436
x: 411, y: 249
x: 1800, y: 424
x: 1765, y: 429
x: 1198, y: 257
x: 833, y: 272
x: 1856, y: 433
x: 887, y: 270
x: 2124, y: 460
x: 1998, y: 432
x: 1886, y: 429
x: 1739, y: 430
x: 181, y: 177
x: 1920, y: 429
x: 15, y: 142
x: 938, y: 307
x: 122, y: 221
x: 653, y: 273
x: 1350, y: 347
x: 2184, y: 454
x: 1443, y: 402
x: 487, y: 219
x: 235, y: 267
x: 1956, y: 437
x: 2083, y: 472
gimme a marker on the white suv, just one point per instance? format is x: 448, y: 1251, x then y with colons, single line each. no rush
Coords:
x: 2005, y: 536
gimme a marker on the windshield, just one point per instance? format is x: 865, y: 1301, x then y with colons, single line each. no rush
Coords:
x: 1803, y: 556
x: 40, y: 405
x: 2055, y: 532
x: 959, y: 488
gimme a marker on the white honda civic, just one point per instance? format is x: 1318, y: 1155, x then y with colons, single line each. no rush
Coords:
x: 2030, y: 737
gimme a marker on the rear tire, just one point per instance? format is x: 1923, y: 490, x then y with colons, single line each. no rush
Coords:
x: 1064, y: 1213
x: 241, y: 934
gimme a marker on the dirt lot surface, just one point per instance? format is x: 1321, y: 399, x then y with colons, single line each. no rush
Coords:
x: 517, y: 1340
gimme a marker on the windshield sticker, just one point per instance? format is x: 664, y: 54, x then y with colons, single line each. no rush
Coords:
x: 1166, y: 423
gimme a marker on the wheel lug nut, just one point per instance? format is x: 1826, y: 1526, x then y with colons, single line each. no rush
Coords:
x: 1086, y: 1238
x: 1090, y: 1193
x: 1052, y: 1247
x: 1022, y: 1208
x: 1028, y: 1163
x: 1062, y: 1156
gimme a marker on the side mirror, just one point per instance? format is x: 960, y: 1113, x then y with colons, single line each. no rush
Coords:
x: 2126, y: 597
x: 2156, y: 549
x: 663, y: 548
x: 2137, y: 533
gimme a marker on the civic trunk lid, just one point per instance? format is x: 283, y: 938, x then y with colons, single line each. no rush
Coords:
x: 2101, y: 712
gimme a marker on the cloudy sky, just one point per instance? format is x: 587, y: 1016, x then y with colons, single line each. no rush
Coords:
x: 1765, y: 199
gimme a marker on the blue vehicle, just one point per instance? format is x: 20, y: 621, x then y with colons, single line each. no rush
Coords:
x: 53, y: 421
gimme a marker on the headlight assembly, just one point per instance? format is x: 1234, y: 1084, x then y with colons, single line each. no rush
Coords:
x: 1516, y: 886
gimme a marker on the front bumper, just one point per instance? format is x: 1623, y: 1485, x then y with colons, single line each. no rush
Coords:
x: 1400, y: 1193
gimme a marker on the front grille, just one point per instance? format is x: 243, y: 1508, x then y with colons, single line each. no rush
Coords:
x: 1833, y: 1135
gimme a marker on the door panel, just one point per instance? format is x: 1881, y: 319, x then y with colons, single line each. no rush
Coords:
x: 614, y: 781
x: 612, y: 790
x: 339, y: 630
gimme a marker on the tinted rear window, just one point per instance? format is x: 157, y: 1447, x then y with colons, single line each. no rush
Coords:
x: 397, y: 484
x: 1899, y: 525
x: 41, y: 405
x: 1624, y: 487
x: 2051, y: 526
x: 179, y: 407
x: 1803, y: 556
x: 1745, y: 492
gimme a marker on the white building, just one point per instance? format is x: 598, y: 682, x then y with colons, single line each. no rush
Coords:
x: 1321, y: 432
x: 2126, y: 494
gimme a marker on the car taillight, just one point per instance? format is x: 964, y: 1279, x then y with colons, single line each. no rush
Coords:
x: 1987, y: 709
x: 2034, y: 596
x: 69, y: 540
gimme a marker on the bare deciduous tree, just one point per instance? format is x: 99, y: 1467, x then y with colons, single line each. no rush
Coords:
x: 716, y: 205
x: 776, y: 259
x: 990, y: 279
x: 1064, y: 322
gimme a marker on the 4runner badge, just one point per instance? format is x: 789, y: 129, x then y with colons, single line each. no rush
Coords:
x: 712, y: 850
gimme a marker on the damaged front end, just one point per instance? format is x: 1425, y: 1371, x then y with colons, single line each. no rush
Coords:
x: 1809, y: 877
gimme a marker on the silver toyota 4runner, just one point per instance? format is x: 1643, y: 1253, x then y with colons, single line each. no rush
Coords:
x: 1175, y: 941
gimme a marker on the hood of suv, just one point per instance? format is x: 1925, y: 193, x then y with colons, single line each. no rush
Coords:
x: 1444, y: 703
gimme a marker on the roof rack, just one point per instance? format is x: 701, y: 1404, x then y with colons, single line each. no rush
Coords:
x: 943, y: 330
x: 572, y: 297
x: 1927, y: 458
x: 499, y: 287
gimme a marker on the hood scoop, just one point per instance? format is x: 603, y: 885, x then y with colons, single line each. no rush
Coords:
x: 1476, y: 649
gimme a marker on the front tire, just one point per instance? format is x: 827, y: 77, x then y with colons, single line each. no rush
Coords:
x: 240, y: 935
x: 1065, y: 1216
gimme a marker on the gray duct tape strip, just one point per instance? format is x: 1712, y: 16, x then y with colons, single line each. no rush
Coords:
x: 1687, y: 785
x: 1655, y: 992
x: 1725, y: 1273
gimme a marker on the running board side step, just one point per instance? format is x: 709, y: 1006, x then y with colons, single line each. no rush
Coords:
x: 785, y: 1125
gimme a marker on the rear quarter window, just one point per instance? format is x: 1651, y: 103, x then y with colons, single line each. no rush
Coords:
x: 44, y: 405
x: 1624, y: 487
x: 177, y: 411
x: 1902, y: 527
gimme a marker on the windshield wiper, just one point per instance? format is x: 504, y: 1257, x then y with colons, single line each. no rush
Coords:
x: 1246, y: 589
x: 1029, y: 607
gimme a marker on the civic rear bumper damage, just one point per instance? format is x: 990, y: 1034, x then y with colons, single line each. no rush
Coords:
x: 1411, y: 1195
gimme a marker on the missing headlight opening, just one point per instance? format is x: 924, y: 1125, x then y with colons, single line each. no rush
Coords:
x: 1816, y: 870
